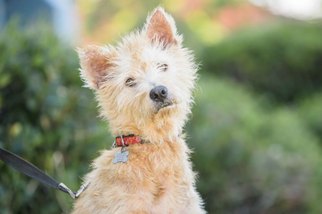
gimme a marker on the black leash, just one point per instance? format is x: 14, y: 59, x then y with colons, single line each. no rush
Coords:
x: 32, y: 171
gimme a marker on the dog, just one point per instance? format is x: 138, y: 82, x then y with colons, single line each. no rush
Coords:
x: 144, y: 87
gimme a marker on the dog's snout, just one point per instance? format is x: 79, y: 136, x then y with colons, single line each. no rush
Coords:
x: 159, y: 93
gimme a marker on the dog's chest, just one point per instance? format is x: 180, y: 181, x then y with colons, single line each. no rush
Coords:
x: 158, y: 166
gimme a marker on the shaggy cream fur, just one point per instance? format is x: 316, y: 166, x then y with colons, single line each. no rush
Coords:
x: 158, y: 176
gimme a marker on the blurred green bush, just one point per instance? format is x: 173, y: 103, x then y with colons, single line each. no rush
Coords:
x: 46, y: 117
x: 250, y: 160
x: 310, y: 110
x: 282, y: 60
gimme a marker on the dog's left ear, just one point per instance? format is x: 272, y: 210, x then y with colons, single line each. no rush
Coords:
x: 160, y: 27
x: 96, y: 62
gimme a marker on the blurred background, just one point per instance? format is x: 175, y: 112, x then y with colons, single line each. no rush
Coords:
x: 256, y: 127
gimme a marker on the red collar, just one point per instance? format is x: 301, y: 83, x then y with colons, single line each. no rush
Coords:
x: 127, y: 140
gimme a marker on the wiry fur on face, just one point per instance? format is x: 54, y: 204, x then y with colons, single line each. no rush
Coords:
x: 123, y: 77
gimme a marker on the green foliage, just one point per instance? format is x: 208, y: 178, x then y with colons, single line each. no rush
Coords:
x: 46, y: 117
x: 310, y: 110
x: 283, y: 60
x: 249, y: 160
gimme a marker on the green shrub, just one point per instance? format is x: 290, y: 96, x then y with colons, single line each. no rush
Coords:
x: 282, y: 60
x: 46, y: 117
x: 310, y: 110
x: 249, y: 160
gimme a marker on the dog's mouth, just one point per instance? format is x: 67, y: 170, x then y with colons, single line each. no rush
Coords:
x: 163, y: 105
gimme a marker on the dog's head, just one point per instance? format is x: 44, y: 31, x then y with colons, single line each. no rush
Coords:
x: 144, y: 84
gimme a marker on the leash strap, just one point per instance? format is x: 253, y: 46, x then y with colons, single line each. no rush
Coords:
x: 32, y: 171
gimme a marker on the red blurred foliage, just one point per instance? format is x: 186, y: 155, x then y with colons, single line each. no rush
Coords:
x: 236, y: 16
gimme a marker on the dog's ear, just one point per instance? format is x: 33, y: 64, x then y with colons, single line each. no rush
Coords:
x: 161, y: 27
x: 95, y: 63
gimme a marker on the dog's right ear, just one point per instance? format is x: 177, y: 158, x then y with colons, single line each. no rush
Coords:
x: 95, y: 63
x: 160, y: 27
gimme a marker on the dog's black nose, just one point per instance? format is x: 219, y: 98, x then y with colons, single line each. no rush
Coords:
x: 159, y: 93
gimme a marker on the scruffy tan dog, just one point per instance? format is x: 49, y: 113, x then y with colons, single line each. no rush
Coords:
x: 144, y: 88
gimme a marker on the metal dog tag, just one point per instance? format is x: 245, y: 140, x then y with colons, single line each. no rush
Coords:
x: 121, y: 156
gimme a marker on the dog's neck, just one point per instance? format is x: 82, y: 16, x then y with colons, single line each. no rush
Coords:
x: 154, y: 135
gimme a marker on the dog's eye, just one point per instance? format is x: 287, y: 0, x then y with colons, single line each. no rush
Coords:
x: 163, y: 67
x: 130, y: 82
